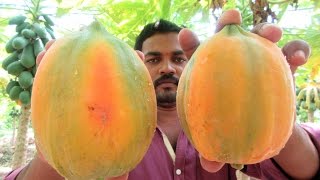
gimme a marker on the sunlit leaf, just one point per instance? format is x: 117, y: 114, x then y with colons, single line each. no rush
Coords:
x: 230, y: 4
x: 316, y: 4
x: 62, y: 11
x: 66, y: 4
x: 165, y: 6
x: 283, y: 8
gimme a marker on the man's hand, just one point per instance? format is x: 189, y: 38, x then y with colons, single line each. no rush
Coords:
x: 296, y: 52
x: 42, y: 53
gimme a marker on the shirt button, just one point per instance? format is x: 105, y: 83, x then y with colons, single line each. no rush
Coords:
x: 178, y: 171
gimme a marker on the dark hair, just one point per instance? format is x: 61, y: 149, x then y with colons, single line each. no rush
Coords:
x: 161, y: 26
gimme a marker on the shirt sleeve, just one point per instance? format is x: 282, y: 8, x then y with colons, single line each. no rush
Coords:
x: 269, y: 169
x: 13, y: 174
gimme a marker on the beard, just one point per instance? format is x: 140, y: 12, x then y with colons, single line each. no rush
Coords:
x: 166, y: 97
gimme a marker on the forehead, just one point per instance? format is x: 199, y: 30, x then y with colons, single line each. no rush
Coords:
x: 161, y: 42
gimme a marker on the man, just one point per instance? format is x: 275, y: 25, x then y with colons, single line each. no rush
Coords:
x: 166, y: 50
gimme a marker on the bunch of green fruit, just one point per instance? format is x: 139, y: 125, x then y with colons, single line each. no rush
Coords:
x: 23, y: 48
x: 309, y: 97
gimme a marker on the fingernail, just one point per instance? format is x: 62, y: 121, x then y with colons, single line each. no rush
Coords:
x: 299, y: 53
x: 266, y: 25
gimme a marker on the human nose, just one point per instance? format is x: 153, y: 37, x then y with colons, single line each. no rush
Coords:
x: 167, y: 68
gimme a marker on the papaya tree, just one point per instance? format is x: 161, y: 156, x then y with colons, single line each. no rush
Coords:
x: 33, y: 31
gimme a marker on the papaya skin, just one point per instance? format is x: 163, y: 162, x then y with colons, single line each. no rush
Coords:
x: 226, y: 125
x: 303, y: 163
x: 109, y: 125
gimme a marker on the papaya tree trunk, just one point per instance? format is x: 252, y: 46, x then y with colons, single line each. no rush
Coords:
x: 19, y: 156
x: 310, y: 116
x: 13, y: 131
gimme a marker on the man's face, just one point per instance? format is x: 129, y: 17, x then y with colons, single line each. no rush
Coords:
x: 165, y: 61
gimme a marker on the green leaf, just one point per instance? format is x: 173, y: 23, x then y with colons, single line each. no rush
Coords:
x: 165, y: 6
x: 62, y: 11
x: 283, y: 8
x: 230, y: 4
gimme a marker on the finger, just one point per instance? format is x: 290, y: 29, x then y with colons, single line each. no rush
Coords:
x: 49, y: 43
x: 297, y: 53
x: 232, y: 16
x: 123, y: 177
x: 299, y: 57
x: 42, y: 53
x: 269, y: 31
x: 40, y: 57
x: 188, y: 41
x: 211, y: 166
x: 140, y: 54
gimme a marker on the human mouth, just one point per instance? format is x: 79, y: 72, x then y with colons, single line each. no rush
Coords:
x: 167, y: 85
x: 168, y: 81
x: 172, y: 81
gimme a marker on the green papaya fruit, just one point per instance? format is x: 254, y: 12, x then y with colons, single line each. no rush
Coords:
x: 44, y: 41
x: 24, y: 25
x: 312, y: 96
x: 51, y: 33
x: 15, y: 68
x: 30, y: 89
x: 34, y: 70
x: 19, y: 42
x: 15, y: 92
x: 37, y: 47
x: 17, y: 20
x: 10, y: 59
x: 48, y: 26
x: 40, y: 31
x: 9, y: 48
x: 25, y: 97
x: 20, y: 54
x: 10, y: 85
x: 312, y: 107
x: 304, y: 105
x: 48, y: 19
x: 28, y: 33
x: 25, y: 79
x: 27, y: 58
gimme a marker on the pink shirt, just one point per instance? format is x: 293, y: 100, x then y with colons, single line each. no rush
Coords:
x: 159, y: 165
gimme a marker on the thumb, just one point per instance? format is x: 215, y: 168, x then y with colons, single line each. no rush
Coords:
x: 189, y: 42
x: 42, y: 53
x: 297, y: 53
x: 210, y: 166
x: 140, y: 54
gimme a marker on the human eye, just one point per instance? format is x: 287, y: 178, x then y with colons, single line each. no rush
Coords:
x: 152, y: 60
x: 180, y: 59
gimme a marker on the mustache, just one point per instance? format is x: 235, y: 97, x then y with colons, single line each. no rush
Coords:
x: 166, y: 77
